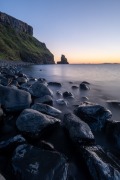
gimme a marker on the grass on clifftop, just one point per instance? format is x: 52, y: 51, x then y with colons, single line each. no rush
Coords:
x: 17, y: 46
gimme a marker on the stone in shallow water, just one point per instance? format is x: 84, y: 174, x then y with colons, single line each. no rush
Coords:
x: 34, y: 163
x: 61, y: 102
x: 39, y: 90
x: 14, y: 99
x: 83, y: 86
x: 46, y: 109
x: 55, y: 84
x: 67, y: 94
x: 34, y: 123
x: 94, y: 115
x: 101, y: 166
x: 78, y: 130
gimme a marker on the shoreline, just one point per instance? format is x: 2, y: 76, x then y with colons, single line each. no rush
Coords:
x: 38, y: 116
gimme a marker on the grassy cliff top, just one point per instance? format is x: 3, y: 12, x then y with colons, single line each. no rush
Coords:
x: 21, y: 46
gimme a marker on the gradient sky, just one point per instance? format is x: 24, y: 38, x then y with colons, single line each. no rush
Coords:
x: 85, y: 31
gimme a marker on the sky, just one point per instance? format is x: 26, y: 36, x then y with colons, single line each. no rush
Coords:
x: 85, y: 31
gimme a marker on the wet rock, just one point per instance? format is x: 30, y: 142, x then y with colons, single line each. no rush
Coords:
x: 46, y: 109
x: 3, y: 80
x: 94, y: 115
x: 100, y: 165
x: 55, y: 84
x: 59, y: 93
x: 8, y: 145
x: 45, y: 100
x: 85, y: 82
x: 1, y: 177
x: 20, y: 74
x: 43, y: 81
x: 32, y: 163
x: 74, y: 87
x: 83, y: 86
x: 78, y: 130
x: 33, y: 123
x: 22, y: 80
x: 14, y: 99
x: 46, y: 146
x: 67, y: 94
x: 61, y: 102
x: 39, y: 90
x: 113, y: 132
x: 31, y: 81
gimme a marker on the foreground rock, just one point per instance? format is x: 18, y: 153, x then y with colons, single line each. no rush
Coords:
x: 46, y: 109
x: 33, y: 123
x: 8, y: 145
x: 78, y: 130
x: 113, y: 132
x: 39, y: 90
x: 114, y: 103
x: 101, y: 166
x: 61, y: 102
x: 94, y: 114
x: 32, y: 163
x: 47, y: 99
x: 14, y: 99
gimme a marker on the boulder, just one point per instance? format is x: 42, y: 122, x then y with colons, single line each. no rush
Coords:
x: 113, y: 132
x: 94, y: 115
x: 78, y: 130
x: 9, y: 144
x: 74, y: 87
x: 33, y: 123
x: 84, y: 86
x: 14, y: 99
x: 57, y: 84
x: 61, y: 102
x: 47, y: 99
x: 34, y: 163
x: 39, y: 90
x: 22, y: 80
x: 114, y: 103
x: 46, y: 109
x: 67, y: 94
x: 101, y: 166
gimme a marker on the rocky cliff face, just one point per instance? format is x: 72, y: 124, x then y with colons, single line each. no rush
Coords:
x: 17, y: 42
x: 18, y: 25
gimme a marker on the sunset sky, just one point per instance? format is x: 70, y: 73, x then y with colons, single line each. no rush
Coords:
x: 85, y: 31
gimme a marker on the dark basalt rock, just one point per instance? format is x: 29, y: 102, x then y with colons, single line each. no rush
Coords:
x: 54, y: 84
x: 22, y: 80
x: 4, y: 81
x: 100, y: 165
x: 32, y: 163
x: 8, y: 145
x: 14, y: 99
x: 75, y: 87
x: 113, y: 132
x: 78, y: 130
x: 47, y: 99
x: 61, y: 102
x: 85, y: 82
x: 83, y: 86
x: 94, y: 115
x: 33, y: 123
x: 67, y: 94
x: 43, y: 80
x: 39, y: 90
x: 46, y: 109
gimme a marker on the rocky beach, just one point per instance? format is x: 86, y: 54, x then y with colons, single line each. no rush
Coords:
x: 45, y: 135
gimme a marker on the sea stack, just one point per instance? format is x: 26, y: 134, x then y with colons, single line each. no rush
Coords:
x: 63, y: 60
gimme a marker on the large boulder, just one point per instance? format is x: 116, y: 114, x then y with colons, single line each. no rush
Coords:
x: 46, y: 109
x: 101, y: 166
x: 32, y: 163
x: 113, y: 132
x: 33, y: 123
x: 39, y: 90
x: 14, y: 99
x: 93, y: 114
x: 78, y: 130
x: 47, y: 99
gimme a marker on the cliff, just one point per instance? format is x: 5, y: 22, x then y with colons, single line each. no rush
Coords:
x: 17, y: 42
x: 63, y: 60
